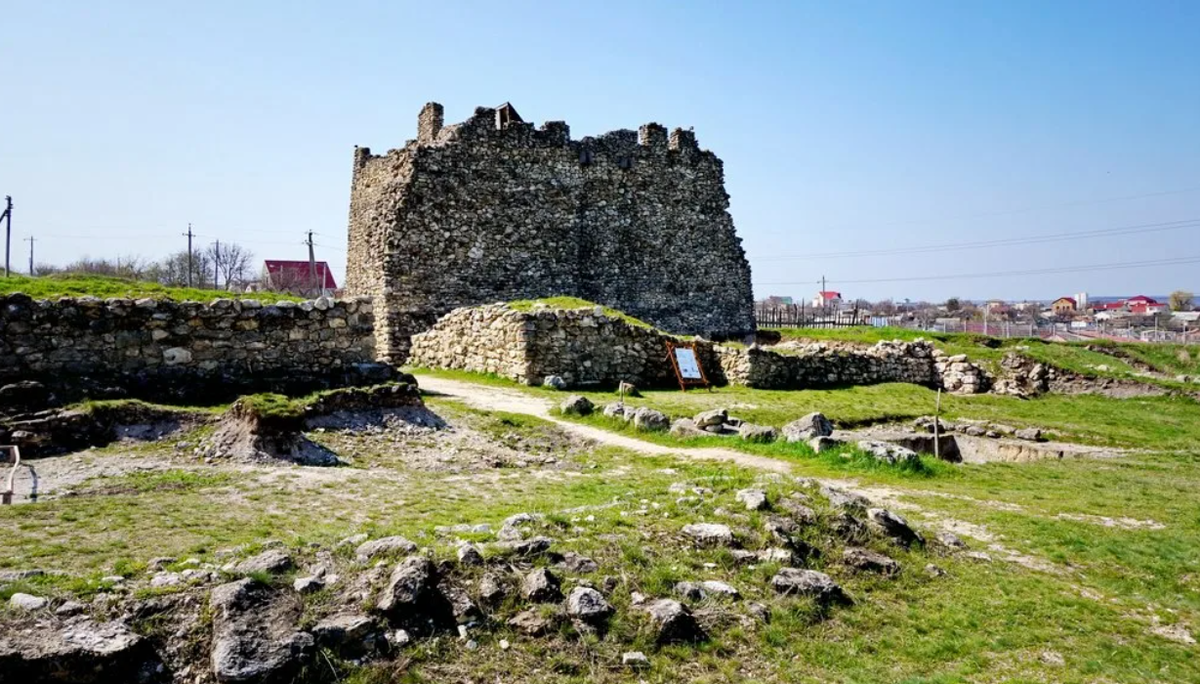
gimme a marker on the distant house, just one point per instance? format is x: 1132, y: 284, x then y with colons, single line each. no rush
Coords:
x: 298, y: 276
x: 1139, y: 305
x: 1063, y: 306
x: 776, y: 300
x: 827, y: 298
x: 996, y: 306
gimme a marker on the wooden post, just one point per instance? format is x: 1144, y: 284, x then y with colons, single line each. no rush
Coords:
x: 937, y: 426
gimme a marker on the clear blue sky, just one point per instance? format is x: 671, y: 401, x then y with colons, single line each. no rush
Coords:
x: 843, y: 125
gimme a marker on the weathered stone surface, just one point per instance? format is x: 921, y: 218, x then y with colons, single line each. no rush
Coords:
x: 350, y: 635
x: 866, y: 560
x: 254, y: 634
x: 686, y: 427
x: 758, y: 434
x: 534, y: 621
x: 711, y: 418
x: 821, y: 445
x: 308, y: 585
x: 753, y: 499
x: 576, y: 405
x: 169, y: 351
x: 573, y: 562
x: 635, y: 660
x: 674, y: 622
x: 709, y: 534
x: 80, y: 651
x: 524, y: 548
x: 811, y: 583
x: 411, y: 589
x: 888, y: 452
x: 541, y: 586
x: 588, y: 606
x: 718, y: 588
x: 650, y: 420
x: 894, y: 526
x: 448, y: 196
x: 691, y: 591
x: 27, y: 601
x: 469, y: 555
x: 1029, y: 434
x: 554, y: 382
x: 492, y: 588
x: 270, y: 561
x: 386, y: 545
x: 808, y: 427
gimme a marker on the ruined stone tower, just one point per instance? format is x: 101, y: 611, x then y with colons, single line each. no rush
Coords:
x: 492, y: 209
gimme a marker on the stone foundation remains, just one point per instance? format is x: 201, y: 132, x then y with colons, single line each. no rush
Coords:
x: 161, y: 349
x: 492, y: 209
x: 586, y: 347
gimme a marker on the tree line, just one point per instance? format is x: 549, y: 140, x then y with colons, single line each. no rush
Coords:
x: 209, y: 267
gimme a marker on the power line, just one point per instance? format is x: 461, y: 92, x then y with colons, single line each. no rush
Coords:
x: 1025, y: 210
x: 1005, y: 274
x: 1002, y: 242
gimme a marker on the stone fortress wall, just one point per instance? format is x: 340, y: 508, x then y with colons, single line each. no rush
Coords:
x: 166, y: 349
x: 493, y: 209
x: 585, y: 347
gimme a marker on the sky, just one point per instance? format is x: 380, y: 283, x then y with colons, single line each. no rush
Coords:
x: 846, y: 128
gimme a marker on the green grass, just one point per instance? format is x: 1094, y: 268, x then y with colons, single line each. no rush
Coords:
x: 1168, y: 359
x: 78, y: 285
x: 1166, y: 423
x: 575, y: 303
x: 983, y: 622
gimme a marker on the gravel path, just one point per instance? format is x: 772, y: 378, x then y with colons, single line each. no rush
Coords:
x: 490, y: 398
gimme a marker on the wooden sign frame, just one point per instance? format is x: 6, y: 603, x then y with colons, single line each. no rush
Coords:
x: 684, y: 383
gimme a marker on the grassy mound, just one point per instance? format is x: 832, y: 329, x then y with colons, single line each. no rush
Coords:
x: 575, y: 303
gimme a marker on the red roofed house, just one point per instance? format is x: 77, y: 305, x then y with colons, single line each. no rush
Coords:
x: 827, y: 298
x: 297, y: 276
x: 1063, y: 305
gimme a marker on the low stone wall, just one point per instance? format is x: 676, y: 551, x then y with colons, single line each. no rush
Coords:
x: 165, y: 349
x: 821, y: 365
x: 583, y: 346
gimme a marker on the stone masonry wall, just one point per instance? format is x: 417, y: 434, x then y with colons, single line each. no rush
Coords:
x: 818, y: 365
x: 583, y: 346
x: 161, y: 348
x: 493, y: 209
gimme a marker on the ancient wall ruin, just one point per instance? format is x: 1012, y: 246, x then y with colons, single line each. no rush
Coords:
x: 492, y: 209
x: 165, y: 349
x: 586, y: 347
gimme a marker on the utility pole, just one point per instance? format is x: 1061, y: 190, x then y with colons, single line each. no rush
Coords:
x: 7, y: 217
x: 189, y: 236
x: 312, y: 262
x: 217, y: 266
x: 30, y: 240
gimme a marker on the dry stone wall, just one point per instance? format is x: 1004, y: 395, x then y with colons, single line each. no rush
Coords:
x: 166, y: 349
x: 821, y: 365
x: 584, y: 347
x: 492, y: 209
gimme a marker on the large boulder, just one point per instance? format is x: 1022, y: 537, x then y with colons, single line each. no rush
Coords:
x: 255, y: 638
x: 808, y: 427
x: 888, y: 452
x: 588, y: 606
x: 673, y: 622
x: 711, y: 418
x: 894, y: 526
x: 865, y: 560
x: 554, y: 382
x: 650, y: 420
x: 709, y: 534
x: 576, y: 405
x: 269, y: 561
x: 79, y: 650
x: 758, y: 434
x: 816, y: 585
x: 411, y: 596
x: 348, y: 634
x: 541, y: 586
x: 377, y: 547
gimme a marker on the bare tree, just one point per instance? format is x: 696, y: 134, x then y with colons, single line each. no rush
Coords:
x: 232, y: 260
x: 173, y: 270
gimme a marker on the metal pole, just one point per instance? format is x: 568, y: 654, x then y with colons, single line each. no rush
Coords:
x: 7, y: 216
x: 30, y: 240
x: 189, y: 235
x: 217, y: 266
x: 312, y: 262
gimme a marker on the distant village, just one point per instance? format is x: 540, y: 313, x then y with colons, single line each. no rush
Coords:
x: 1078, y: 316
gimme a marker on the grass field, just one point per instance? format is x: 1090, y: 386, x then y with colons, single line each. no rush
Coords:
x: 53, y: 287
x: 1064, y: 598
